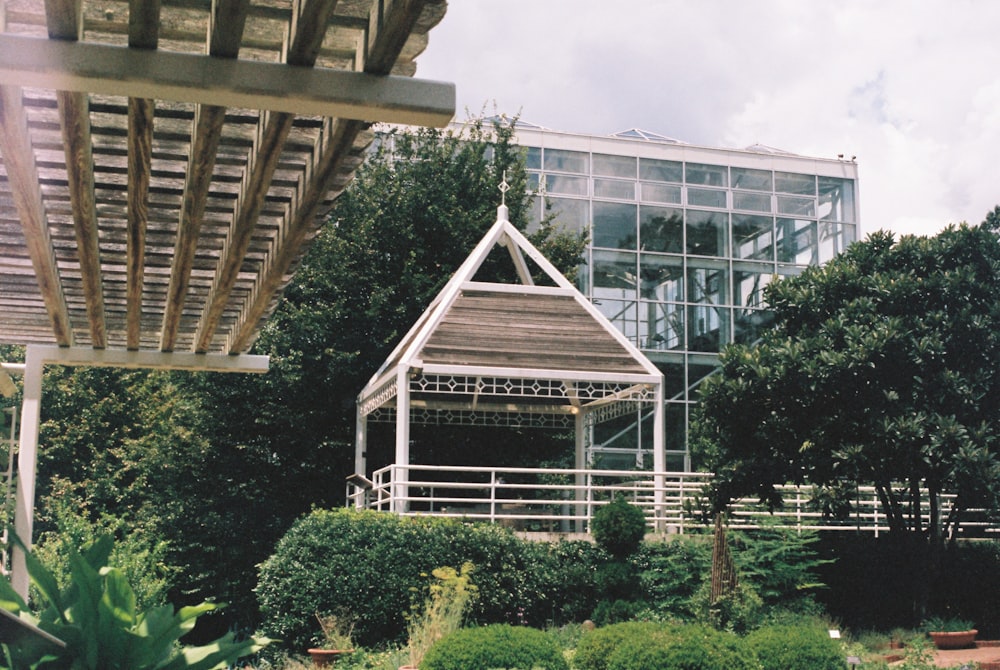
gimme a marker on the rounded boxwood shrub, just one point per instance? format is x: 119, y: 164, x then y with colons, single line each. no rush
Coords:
x: 597, y: 645
x: 796, y: 647
x: 618, y: 527
x: 690, y: 647
x: 495, y: 646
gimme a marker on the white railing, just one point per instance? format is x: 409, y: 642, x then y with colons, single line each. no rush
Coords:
x: 564, y: 500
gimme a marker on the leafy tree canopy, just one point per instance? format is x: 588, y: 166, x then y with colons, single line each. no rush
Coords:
x: 882, y: 368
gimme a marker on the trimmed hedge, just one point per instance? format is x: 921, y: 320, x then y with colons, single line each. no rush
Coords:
x: 596, y: 646
x: 689, y: 647
x: 796, y: 647
x: 496, y: 646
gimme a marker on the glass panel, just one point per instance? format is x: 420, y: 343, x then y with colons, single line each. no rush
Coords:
x: 652, y: 169
x: 836, y: 199
x: 799, y: 184
x: 749, y: 324
x: 703, y: 197
x: 614, y: 166
x: 620, y: 432
x: 708, y: 284
x: 752, y: 180
x: 533, y: 158
x: 614, y: 225
x: 755, y: 202
x: 661, y: 193
x: 749, y: 280
x: 661, y: 278
x: 706, y: 175
x: 534, y: 214
x: 697, y: 372
x: 675, y: 427
x: 557, y: 183
x: 676, y: 462
x: 796, y: 242
x: 621, y: 313
x: 614, y: 188
x: 661, y: 325
x: 561, y: 160
x: 534, y: 178
x: 834, y: 238
x: 708, y: 327
x: 796, y: 206
x: 706, y: 233
x: 753, y: 237
x: 614, y: 275
x: 673, y: 380
x: 661, y: 229
x: 574, y: 215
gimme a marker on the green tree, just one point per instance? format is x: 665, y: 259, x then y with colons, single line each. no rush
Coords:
x: 881, y: 369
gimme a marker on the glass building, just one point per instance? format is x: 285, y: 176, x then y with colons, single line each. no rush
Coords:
x: 683, y: 240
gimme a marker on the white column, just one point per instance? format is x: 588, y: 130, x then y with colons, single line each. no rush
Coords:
x: 360, y: 447
x: 659, y: 456
x: 401, y: 474
x: 580, y: 463
x: 27, y: 460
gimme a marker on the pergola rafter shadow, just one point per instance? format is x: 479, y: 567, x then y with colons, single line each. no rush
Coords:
x: 524, y: 355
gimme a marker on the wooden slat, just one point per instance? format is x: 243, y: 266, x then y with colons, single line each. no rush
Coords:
x: 143, y: 24
x: 19, y: 163
x: 228, y: 22
x: 386, y: 37
x: 140, y: 151
x: 309, y: 22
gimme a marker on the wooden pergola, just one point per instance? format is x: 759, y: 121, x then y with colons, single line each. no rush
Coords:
x: 165, y: 163
x: 491, y: 354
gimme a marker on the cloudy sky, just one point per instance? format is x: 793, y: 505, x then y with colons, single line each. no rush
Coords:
x: 910, y: 87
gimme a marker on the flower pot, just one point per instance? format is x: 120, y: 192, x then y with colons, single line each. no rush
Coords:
x: 958, y: 639
x: 323, y: 658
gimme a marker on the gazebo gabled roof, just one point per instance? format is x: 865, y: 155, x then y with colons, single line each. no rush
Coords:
x: 523, y: 348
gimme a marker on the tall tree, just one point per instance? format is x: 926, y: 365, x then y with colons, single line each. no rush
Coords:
x: 882, y: 368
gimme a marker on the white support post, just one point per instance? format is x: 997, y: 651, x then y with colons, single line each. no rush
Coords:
x: 580, y: 463
x: 27, y: 461
x: 401, y: 476
x: 360, y: 448
x: 659, y: 459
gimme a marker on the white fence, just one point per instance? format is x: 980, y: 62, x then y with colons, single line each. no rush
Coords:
x: 564, y: 500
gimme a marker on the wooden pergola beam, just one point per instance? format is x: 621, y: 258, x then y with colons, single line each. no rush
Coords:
x: 112, y: 70
x: 308, y: 25
x: 22, y: 174
x: 228, y: 22
x: 385, y: 40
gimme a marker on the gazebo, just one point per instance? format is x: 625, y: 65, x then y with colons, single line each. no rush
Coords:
x: 495, y: 354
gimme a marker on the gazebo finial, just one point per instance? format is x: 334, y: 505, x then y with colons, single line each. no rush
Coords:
x: 502, y: 209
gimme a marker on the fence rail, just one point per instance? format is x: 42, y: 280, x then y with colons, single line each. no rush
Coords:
x: 564, y: 500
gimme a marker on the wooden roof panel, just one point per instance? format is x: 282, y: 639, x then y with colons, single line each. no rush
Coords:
x: 226, y: 207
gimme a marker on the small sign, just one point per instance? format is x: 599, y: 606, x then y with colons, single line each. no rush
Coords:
x: 834, y: 634
x: 853, y: 660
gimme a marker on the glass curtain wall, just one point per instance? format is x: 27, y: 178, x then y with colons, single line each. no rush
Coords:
x: 679, y: 257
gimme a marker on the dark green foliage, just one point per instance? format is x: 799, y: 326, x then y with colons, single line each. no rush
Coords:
x: 671, y: 572
x: 782, y: 564
x: 796, y: 647
x: 649, y: 646
x: 618, y: 527
x: 617, y: 611
x: 495, y: 646
x: 330, y: 560
x: 596, y: 646
x: 96, y: 616
x: 878, y: 371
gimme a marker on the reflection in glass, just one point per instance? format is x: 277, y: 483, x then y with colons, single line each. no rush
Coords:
x: 706, y: 233
x: 834, y: 238
x: 533, y: 158
x: 708, y: 328
x: 614, y: 188
x: 661, y: 229
x: 574, y: 215
x: 661, y: 193
x: 708, y: 284
x: 562, y: 160
x: 622, y: 314
x: 614, y: 166
x: 755, y: 202
x: 796, y: 206
x: 753, y: 237
x: 558, y: 183
x: 614, y: 275
x: 614, y: 225
x: 749, y: 280
x: 696, y: 174
x: 676, y: 426
x: 836, y: 199
x: 798, y: 184
x: 704, y: 197
x: 673, y: 380
x: 661, y: 278
x: 796, y: 241
x: 652, y: 169
x: 749, y: 324
x: 661, y: 326
x: 752, y: 180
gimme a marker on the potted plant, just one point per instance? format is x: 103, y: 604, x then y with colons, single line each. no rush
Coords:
x: 336, y: 640
x: 950, y: 633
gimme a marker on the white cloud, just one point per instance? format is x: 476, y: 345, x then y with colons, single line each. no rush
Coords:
x: 910, y: 88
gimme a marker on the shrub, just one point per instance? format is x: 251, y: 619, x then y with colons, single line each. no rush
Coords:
x: 796, y: 647
x: 596, y: 646
x: 618, y: 527
x: 691, y: 647
x: 495, y: 646
x: 617, y: 611
x: 670, y: 572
